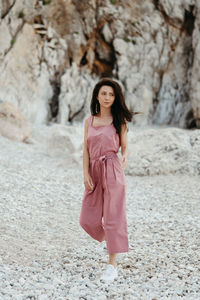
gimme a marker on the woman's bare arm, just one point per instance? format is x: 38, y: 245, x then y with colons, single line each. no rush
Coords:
x: 124, y: 144
x: 86, y: 160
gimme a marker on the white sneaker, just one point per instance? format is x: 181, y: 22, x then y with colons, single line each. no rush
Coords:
x: 110, y: 273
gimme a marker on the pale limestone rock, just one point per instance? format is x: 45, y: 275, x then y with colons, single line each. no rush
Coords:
x: 173, y: 105
x: 13, y: 125
x: 54, y: 53
x: 24, y: 80
x: 108, y: 36
x: 5, y: 39
x: 76, y: 90
x: 147, y: 46
x: 120, y: 46
x: 151, y: 57
x: 163, y: 151
x: 5, y: 6
x: 175, y: 12
x: 61, y: 141
x: 195, y: 74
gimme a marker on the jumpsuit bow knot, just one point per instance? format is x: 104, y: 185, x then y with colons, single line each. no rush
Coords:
x: 102, y: 162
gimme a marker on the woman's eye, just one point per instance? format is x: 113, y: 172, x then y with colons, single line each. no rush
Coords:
x: 104, y: 93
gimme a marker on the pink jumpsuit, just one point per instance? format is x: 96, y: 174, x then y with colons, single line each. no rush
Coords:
x: 107, y: 199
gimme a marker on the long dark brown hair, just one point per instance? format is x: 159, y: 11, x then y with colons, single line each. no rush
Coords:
x: 119, y: 110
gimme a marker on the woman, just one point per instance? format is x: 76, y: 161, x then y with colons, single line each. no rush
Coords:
x: 103, y: 213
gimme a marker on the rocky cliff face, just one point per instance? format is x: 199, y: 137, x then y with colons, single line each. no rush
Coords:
x: 53, y: 51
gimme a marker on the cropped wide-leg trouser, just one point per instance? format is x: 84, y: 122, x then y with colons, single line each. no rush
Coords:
x: 103, y: 212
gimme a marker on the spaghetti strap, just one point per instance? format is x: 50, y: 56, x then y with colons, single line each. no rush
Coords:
x: 90, y: 119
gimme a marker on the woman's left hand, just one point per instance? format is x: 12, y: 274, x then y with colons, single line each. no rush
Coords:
x: 124, y: 161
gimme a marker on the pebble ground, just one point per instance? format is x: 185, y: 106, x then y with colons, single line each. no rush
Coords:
x: 44, y: 254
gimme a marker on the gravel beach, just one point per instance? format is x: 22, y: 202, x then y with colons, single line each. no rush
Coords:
x: 44, y: 253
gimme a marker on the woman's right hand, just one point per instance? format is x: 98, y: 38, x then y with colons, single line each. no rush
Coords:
x: 88, y: 182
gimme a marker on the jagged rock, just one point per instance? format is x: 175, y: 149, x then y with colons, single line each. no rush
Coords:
x: 173, y: 105
x: 176, y: 14
x: 108, y: 36
x: 5, y: 39
x: 13, y: 125
x: 164, y: 151
x: 25, y: 79
x: 152, y: 48
x: 195, y: 74
x: 5, y: 5
x: 59, y: 141
x: 76, y: 91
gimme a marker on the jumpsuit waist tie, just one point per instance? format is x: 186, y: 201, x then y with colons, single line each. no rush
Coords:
x: 102, y: 161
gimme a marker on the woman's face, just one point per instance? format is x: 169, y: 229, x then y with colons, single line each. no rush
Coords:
x: 106, y: 96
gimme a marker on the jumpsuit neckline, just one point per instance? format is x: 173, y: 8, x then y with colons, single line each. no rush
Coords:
x: 100, y: 125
